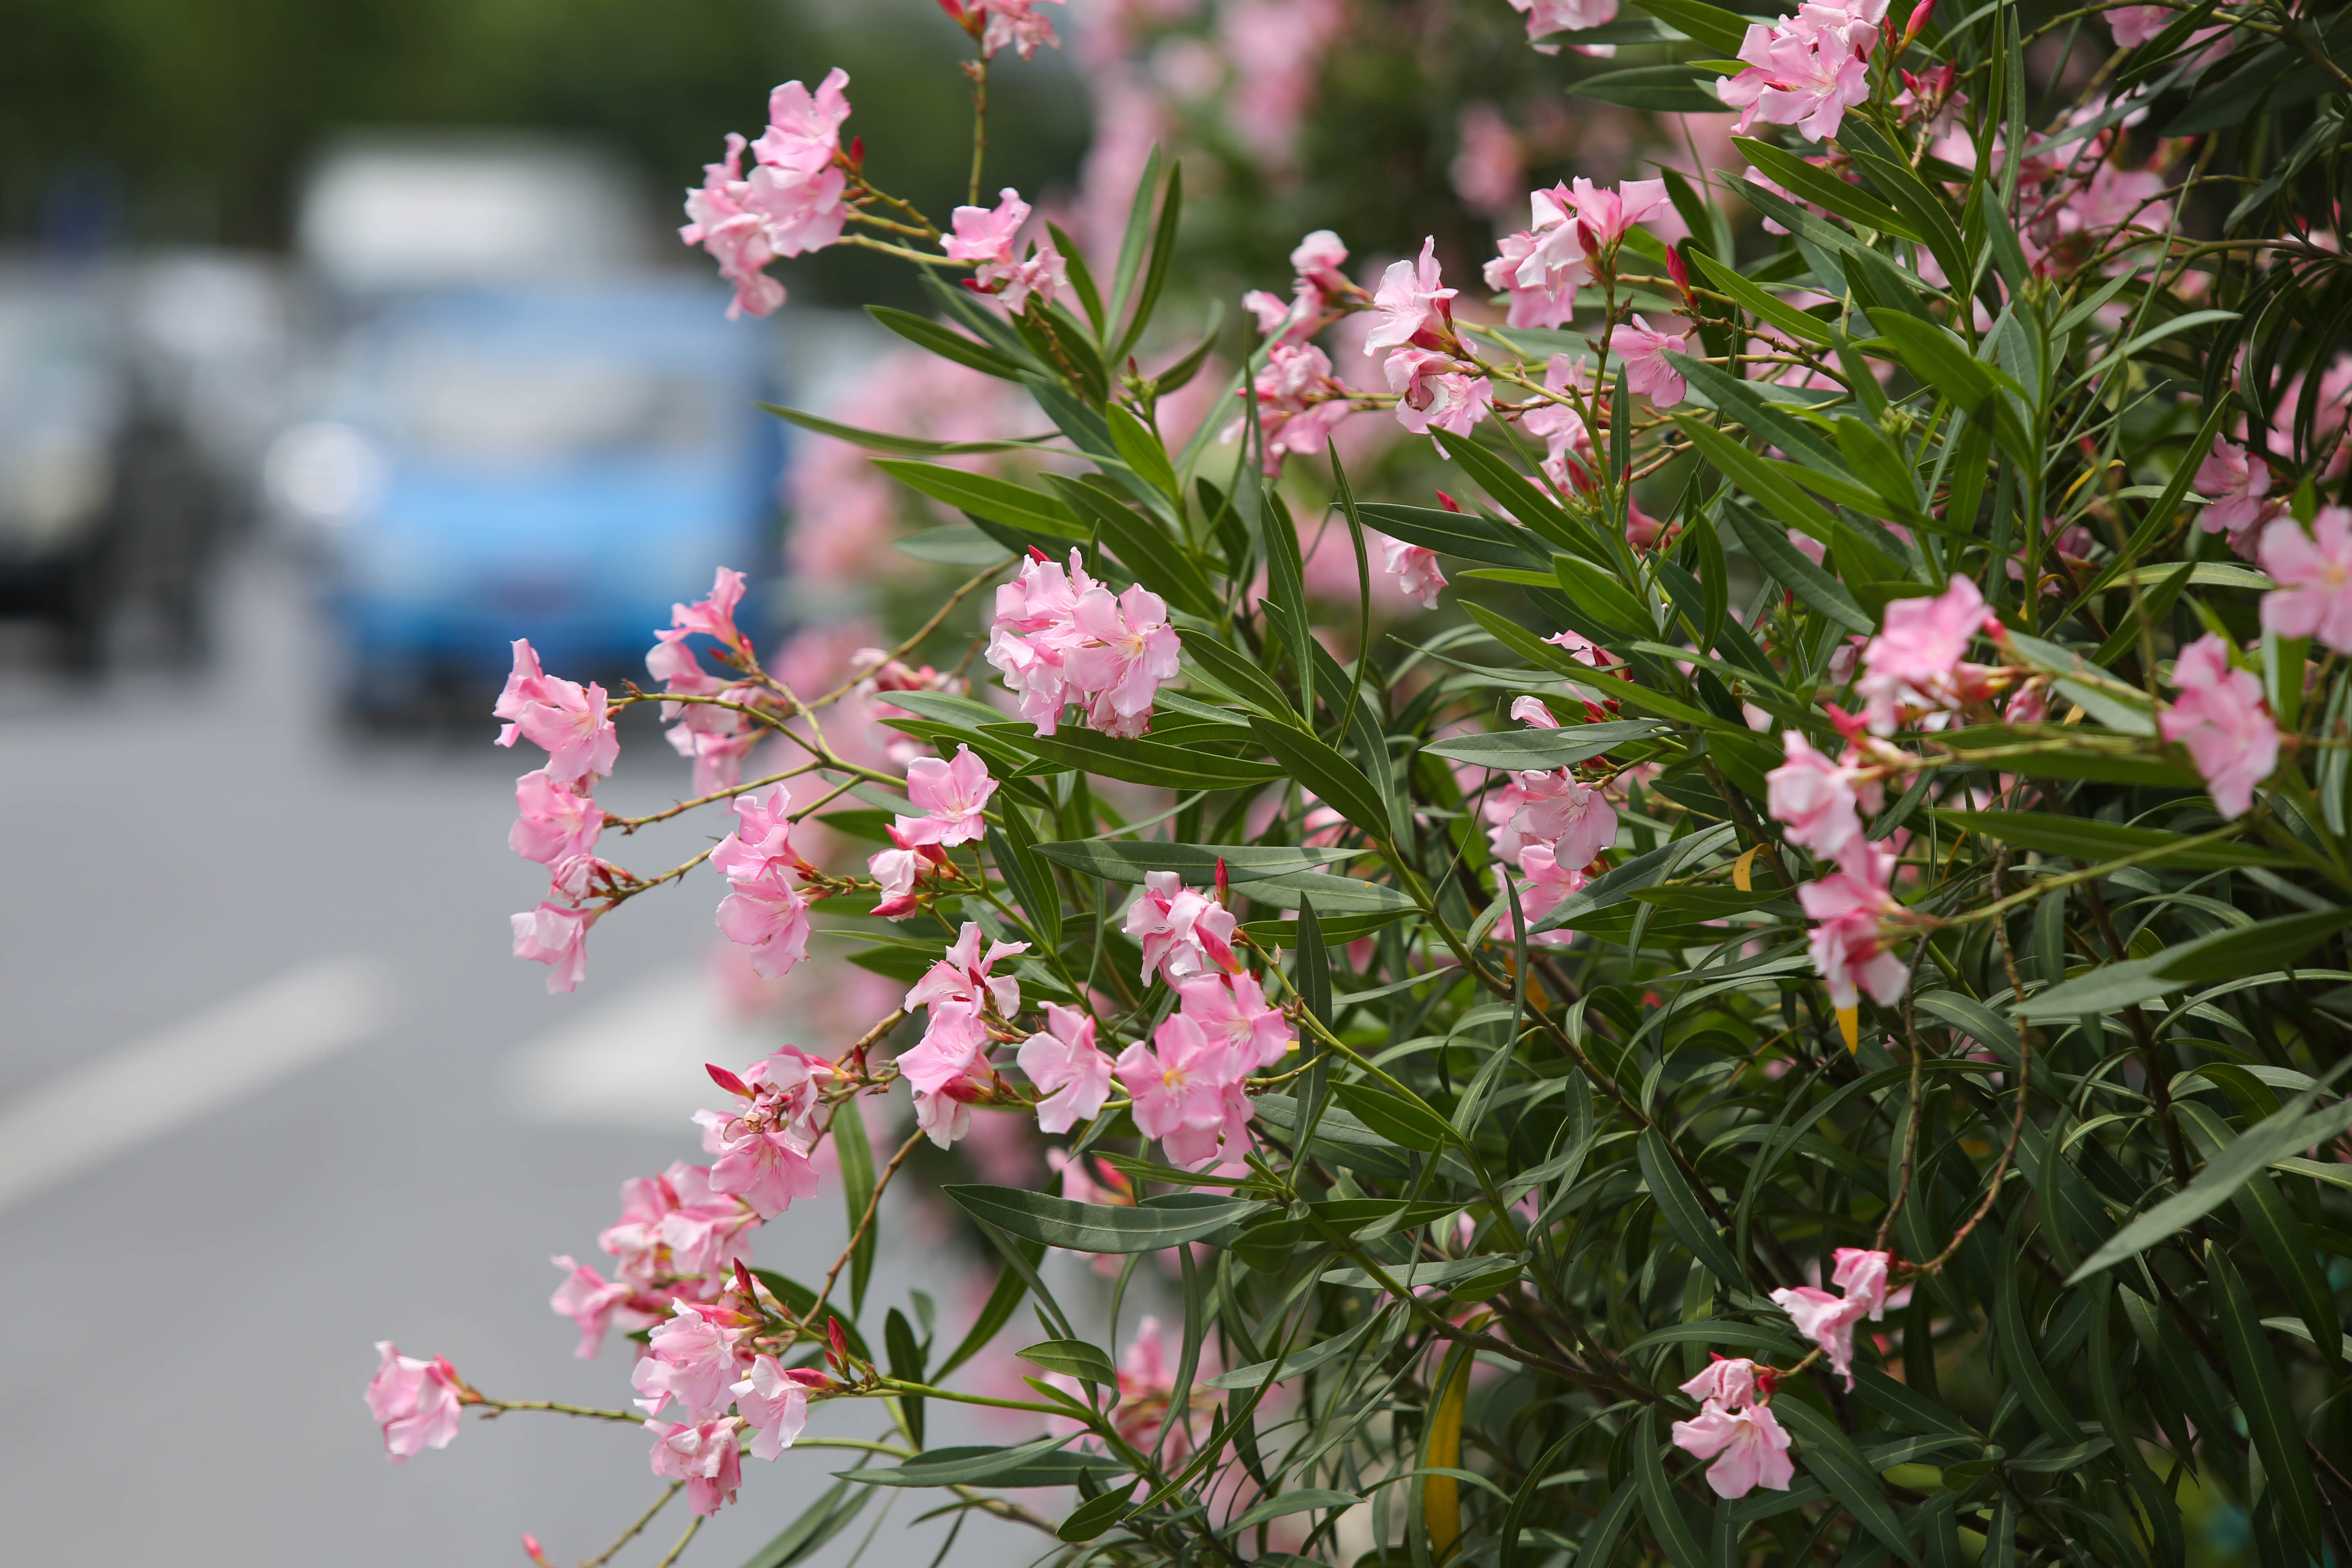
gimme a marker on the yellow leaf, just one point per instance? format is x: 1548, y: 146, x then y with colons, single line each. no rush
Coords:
x: 1740, y: 867
x: 1441, y: 1495
x: 1850, y: 1026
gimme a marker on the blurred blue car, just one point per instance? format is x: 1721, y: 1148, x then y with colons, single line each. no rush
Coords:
x: 550, y: 465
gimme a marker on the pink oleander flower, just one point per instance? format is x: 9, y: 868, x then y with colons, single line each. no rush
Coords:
x: 1433, y: 392
x: 1177, y: 1084
x: 945, y: 1115
x: 707, y: 1231
x: 1233, y: 1010
x: 2115, y: 198
x: 1729, y: 1382
x: 714, y: 615
x: 1182, y: 931
x: 2136, y: 25
x: 1414, y: 568
x: 1013, y: 23
x: 556, y: 935
x: 774, y: 1402
x: 570, y: 721
x: 1299, y: 402
x: 2222, y: 719
x: 1546, y: 883
x: 1813, y: 799
x: 1750, y: 1448
x: 689, y: 1358
x: 1574, y: 822
x: 1063, y: 1060
x: 1826, y: 1320
x: 416, y: 1402
x: 1410, y: 304
x: 1287, y: 322
x: 1147, y: 1398
x: 1548, y: 16
x: 1849, y: 905
x: 799, y: 210
x: 2235, y: 486
x: 589, y: 1299
x: 1542, y: 265
x: 1861, y: 1273
x: 804, y: 127
x: 704, y: 1455
x: 986, y: 237
x: 762, y: 844
x: 952, y: 795
x: 1914, y: 660
x: 958, y: 991
x: 1318, y: 259
x: 761, y: 1159
x: 896, y: 871
x: 1129, y: 648
x: 768, y: 915
x: 1804, y: 70
x: 553, y: 822
x: 1609, y: 215
x: 1562, y: 428
x: 719, y: 219
x: 1643, y: 351
x: 2314, y: 574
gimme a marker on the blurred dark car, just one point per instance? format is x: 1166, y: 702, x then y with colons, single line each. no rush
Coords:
x: 557, y: 464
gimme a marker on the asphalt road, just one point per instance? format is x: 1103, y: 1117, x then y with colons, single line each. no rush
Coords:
x: 271, y: 1089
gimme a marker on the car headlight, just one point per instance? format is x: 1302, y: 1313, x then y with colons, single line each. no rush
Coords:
x: 324, y: 473
x: 56, y: 483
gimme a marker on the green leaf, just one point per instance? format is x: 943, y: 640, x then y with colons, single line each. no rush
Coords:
x: 2101, y: 766
x: 1142, y: 449
x: 1661, y: 89
x: 1318, y: 766
x: 1155, y: 274
x: 1303, y: 1500
x: 818, y: 1523
x: 1511, y: 490
x: 955, y: 546
x: 1719, y: 1332
x: 1314, y: 1358
x: 1666, y: 1517
x: 905, y: 1366
x: 1003, y: 1301
x: 1096, y: 1514
x: 1524, y: 751
x: 1763, y: 479
x: 1737, y: 399
x: 944, y: 341
x: 1824, y: 190
x: 1795, y: 571
x: 1941, y: 360
x: 2088, y: 839
x: 1154, y: 1224
x: 856, y: 1156
x: 801, y: 1301
x: 2027, y: 1376
x: 1831, y: 1457
x: 2293, y: 1129
x: 987, y: 497
x: 1407, y: 1123
x: 2277, y: 1229
x: 1158, y: 562
x: 1074, y: 1358
x: 1129, y: 862
x: 2229, y: 955
x: 1032, y: 1464
x: 880, y: 441
x: 1718, y: 29
x: 1335, y: 896
x: 1458, y: 533
x: 1143, y: 762
x: 2263, y: 1401
x: 1245, y: 679
x: 1685, y: 1216
x: 1416, y: 1274
x: 1799, y: 324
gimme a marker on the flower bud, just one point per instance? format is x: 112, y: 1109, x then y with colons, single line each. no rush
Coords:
x: 1448, y: 502
x: 531, y: 1549
x: 1919, y: 23
x: 727, y: 1081
x: 1679, y: 271
x: 837, y: 1346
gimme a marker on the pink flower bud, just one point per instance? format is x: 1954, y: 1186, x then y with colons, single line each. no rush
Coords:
x: 531, y: 1549
x: 1919, y: 23
x: 1679, y: 271
x: 1448, y: 502
x: 1224, y: 884
x: 836, y: 1349
x: 727, y: 1081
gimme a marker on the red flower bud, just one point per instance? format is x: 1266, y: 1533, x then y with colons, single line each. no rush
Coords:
x: 727, y: 1081
x: 1224, y: 884
x: 1679, y: 271
x: 1919, y: 23
x: 837, y: 1346
x: 1040, y: 557
x: 1448, y: 502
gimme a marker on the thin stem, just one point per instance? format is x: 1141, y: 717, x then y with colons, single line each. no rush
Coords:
x: 916, y: 641
x: 979, y: 69
x: 497, y: 1407
x: 865, y: 1223
x: 631, y: 1533
x: 676, y: 1551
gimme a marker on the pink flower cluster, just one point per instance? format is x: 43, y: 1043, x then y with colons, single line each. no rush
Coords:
x: 558, y: 821
x: 1737, y: 1429
x: 768, y: 911
x: 677, y: 1235
x: 1299, y: 401
x: 1546, y: 17
x: 1319, y: 292
x: 997, y: 24
x: 1821, y: 804
x: 2236, y: 487
x: 1060, y: 638
x: 1828, y: 1321
x: 792, y: 202
x: 2314, y: 574
x: 1182, y: 931
x: 1805, y: 70
x: 1913, y: 666
x: 987, y: 238
x: 948, y: 1069
x: 763, y: 1142
x: 1548, y: 826
x: 1187, y: 1085
x: 694, y: 1359
x: 716, y: 739
x: 2220, y: 716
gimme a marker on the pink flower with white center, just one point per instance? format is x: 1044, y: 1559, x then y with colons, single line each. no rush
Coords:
x: 1063, y: 1060
x: 1178, y: 1081
x: 1016, y: 24
x: 689, y: 1358
x: 557, y: 936
x: 2314, y: 574
x: 1183, y: 931
x: 1410, y: 304
x: 718, y: 220
x: 1750, y: 1447
x: 762, y: 844
x: 774, y: 1401
x: 1129, y: 648
x: 1849, y: 904
x: 704, y: 1455
x: 896, y: 871
x: 1827, y: 1321
x: 1541, y: 890
x: 707, y: 1231
x: 768, y: 915
x: 1609, y: 215
x: 1804, y: 70
x: 1915, y: 661
x: 1813, y: 799
x: 2222, y: 719
x: 966, y: 977
x: 1414, y: 568
x: 952, y: 796
x: 1034, y: 632
x: 1432, y: 392
x: 1233, y: 1010
x: 571, y: 723
x: 1546, y: 17
x: 553, y: 822
x: 2235, y: 486
x: 416, y: 1402
x: 1861, y: 1273
x: 589, y: 1299
x: 714, y: 615
x: 1643, y: 351
x: 1730, y: 1383
x: 804, y: 127
x: 765, y: 1162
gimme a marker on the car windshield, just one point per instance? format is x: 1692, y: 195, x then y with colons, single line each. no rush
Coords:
x: 53, y: 366
x: 455, y: 401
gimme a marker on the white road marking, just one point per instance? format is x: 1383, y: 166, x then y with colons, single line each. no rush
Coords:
x: 633, y: 1064
x: 91, y: 1114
